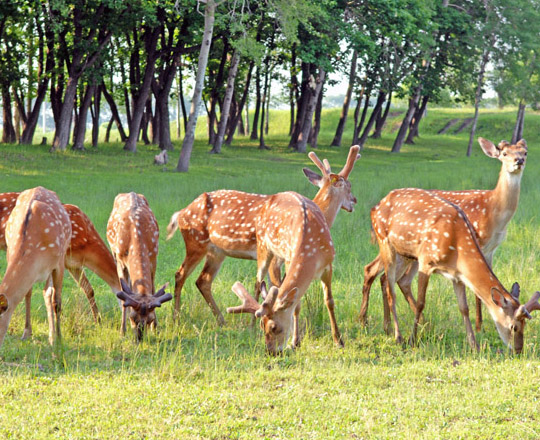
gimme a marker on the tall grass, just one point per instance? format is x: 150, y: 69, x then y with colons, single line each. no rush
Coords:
x: 196, y: 380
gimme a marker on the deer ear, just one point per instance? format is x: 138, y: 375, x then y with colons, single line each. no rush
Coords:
x: 515, y: 291
x: 3, y: 303
x: 489, y: 147
x: 497, y: 297
x: 522, y: 143
x: 125, y: 286
x: 313, y: 177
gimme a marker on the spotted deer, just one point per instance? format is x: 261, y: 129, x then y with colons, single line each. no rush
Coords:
x: 133, y: 233
x: 86, y: 249
x: 414, y: 224
x: 489, y: 211
x: 223, y: 224
x: 293, y: 229
x: 37, y: 235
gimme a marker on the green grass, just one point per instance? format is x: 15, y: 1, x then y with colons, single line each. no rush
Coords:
x: 197, y: 380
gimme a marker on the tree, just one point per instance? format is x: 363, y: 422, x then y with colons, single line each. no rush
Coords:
x: 189, y: 139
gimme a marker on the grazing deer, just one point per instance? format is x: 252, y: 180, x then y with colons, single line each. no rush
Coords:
x: 414, y: 224
x: 133, y: 235
x: 223, y: 224
x: 489, y: 211
x: 86, y: 249
x: 293, y: 229
x: 37, y: 235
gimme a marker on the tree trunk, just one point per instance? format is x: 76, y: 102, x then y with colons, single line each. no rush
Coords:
x: 358, y: 127
x: 262, y: 145
x: 80, y: 126
x: 415, y: 122
x: 189, y: 138
x: 381, y: 120
x: 8, y: 132
x: 301, y: 105
x: 336, y: 142
x: 413, y: 102
x: 478, y: 97
x: 242, y: 104
x: 108, y: 131
x: 314, y: 92
x: 182, y: 100
x: 233, y: 70
x: 114, y: 112
x: 215, y: 92
x: 267, y: 117
x: 518, y: 127
x: 255, y: 124
x: 373, y: 117
x: 63, y: 126
x: 293, y: 91
x: 143, y: 93
x: 95, y: 111
x: 316, y: 128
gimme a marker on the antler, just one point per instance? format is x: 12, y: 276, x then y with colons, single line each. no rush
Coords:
x: 269, y: 301
x: 249, y: 305
x: 319, y: 164
x: 351, y: 159
x: 161, y: 296
x: 533, y: 303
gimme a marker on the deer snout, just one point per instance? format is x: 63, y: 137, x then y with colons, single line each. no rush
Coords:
x: 520, y: 161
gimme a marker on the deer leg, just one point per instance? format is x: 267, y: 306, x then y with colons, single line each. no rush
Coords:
x: 122, y: 275
x: 423, y: 279
x: 27, y: 333
x: 405, y: 283
x: 53, y: 302
x: 274, y: 271
x: 204, y: 283
x: 326, y: 280
x: 459, y: 289
x: 296, y: 327
x: 391, y: 298
x: 371, y: 271
x: 78, y: 275
x: 264, y: 260
x: 194, y: 254
x: 386, y: 307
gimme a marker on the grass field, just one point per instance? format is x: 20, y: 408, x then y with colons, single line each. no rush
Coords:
x: 198, y: 381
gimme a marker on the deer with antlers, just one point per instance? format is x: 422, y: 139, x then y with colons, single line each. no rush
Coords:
x: 489, y: 211
x: 86, y: 249
x: 223, y: 224
x: 133, y: 235
x: 293, y: 229
x: 37, y: 235
x: 414, y: 224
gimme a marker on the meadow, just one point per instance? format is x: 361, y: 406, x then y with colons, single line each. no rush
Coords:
x: 196, y: 380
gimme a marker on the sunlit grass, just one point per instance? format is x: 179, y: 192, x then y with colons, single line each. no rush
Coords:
x: 196, y: 380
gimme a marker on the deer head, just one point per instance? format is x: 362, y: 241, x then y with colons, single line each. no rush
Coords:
x: 275, y: 314
x: 334, y: 188
x: 513, y: 315
x: 513, y: 157
x: 142, y: 306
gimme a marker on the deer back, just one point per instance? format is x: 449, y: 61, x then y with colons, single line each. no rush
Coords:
x: 7, y: 203
x: 224, y: 219
x: 133, y: 234
x: 38, y: 233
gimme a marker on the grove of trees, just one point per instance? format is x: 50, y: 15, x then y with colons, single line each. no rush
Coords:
x: 135, y: 56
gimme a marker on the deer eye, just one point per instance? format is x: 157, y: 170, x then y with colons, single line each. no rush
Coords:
x: 504, y: 154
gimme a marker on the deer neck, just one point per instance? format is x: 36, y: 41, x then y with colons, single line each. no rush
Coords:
x: 328, y: 205
x: 506, y: 196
